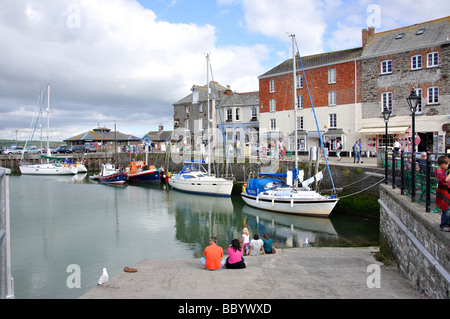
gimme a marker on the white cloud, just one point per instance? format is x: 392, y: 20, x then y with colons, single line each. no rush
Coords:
x: 280, y: 18
x: 107, y: 60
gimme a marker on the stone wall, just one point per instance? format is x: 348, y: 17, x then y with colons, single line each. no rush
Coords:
x: 413, y: 237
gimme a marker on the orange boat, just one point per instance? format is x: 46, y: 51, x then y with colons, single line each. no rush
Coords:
x: 138, y: 171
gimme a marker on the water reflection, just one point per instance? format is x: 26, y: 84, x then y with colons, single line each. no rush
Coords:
x: 62, y: 220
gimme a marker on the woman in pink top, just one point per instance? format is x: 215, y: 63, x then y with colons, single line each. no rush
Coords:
x: 235, y: 259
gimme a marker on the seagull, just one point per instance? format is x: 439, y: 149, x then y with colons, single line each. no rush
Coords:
x: 305, y: 243
x: 103, y: 278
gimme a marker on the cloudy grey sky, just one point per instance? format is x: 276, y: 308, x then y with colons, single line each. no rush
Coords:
x: 128, y: 61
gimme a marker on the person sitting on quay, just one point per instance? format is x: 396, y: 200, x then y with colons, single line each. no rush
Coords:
x: 256, y: 246
x: 213, y: 259
x: 235, y: 259
x: 245, y: 240
x: 268, y: 245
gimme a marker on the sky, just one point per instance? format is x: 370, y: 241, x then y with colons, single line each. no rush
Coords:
x: 126, y: 62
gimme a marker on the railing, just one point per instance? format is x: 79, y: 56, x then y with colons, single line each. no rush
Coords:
x: 6, y: 281
x: 401, y: 176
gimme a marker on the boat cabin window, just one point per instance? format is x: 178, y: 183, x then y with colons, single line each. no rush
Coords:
x: 274, y: 184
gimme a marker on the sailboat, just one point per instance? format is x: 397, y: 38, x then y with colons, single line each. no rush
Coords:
x: 58, y: 165
x: 270, y: 192
x: 194, y: 178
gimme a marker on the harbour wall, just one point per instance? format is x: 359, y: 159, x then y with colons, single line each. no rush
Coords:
x: 412, y: 237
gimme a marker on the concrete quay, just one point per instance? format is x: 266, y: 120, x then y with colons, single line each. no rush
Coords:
x: 295, y: 273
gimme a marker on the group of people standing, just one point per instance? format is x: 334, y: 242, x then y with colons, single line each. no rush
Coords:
x: 214, y: 258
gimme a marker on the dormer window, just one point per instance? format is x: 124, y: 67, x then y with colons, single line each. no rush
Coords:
x: 420, y: 31
x: 400, y: 36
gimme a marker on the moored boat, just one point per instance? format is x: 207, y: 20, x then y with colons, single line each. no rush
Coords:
x: 109, y: 174
x: 138, y: 171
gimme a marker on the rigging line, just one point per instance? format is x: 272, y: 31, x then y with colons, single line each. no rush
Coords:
x: 368, y: 176
x: 363, y: 190
x: 221, y: 122
x: 315, y: 118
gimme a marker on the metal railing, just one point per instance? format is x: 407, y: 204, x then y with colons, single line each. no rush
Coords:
x: 400, y: 175
x: 6, y: 281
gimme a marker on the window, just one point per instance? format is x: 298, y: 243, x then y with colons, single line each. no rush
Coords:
x: 186, y: 125
x: 419, y: 105
x: 186, y: 108
x: 333, y: 120
x: 200, y: 125
x: 420, y: 31
x: 238, y: 114
x: 399, y: 36
x: 331, y: 76
x: 254, y: 113
x: 300, y: 123
x: 299, y: 102
x: 273, y: 124
x: 433, y: 95
x: 386, y: 101
x: 332, y: 98
x: 273, y: 105
x: 299, y: 81
x: 433, y: 59
x: 416, y: 62
x: 229, y: 115
x: 386, y: 67
x: 200, y: 108
x: 271, y: 86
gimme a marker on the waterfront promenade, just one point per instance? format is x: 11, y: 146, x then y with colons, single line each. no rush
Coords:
x: 295, y: 273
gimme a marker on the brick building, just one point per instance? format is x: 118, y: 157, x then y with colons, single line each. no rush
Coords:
x: 333, y: 82
x: 393, y: 63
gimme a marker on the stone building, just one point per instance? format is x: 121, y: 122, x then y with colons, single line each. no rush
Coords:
x: 392, y: 64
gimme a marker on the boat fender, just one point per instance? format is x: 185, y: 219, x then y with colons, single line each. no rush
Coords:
x: 244, y: 188
x: 127, y: 269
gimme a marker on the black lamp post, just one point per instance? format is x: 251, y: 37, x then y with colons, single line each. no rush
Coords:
x: 386, y: 114
x: 413, y: 100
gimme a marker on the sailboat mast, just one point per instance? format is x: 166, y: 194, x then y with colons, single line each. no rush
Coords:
x: 209, y: 144
x: 294, y: 72
x: 48, y: 120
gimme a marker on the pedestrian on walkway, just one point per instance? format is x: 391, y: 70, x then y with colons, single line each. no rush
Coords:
x: 356, y: 153
x: 338, y: 149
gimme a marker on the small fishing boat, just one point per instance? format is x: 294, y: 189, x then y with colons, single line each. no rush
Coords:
x: 109, y: 174
x: 138, y: 171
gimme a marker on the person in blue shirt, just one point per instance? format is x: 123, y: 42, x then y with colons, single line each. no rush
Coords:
x: 268, y: 245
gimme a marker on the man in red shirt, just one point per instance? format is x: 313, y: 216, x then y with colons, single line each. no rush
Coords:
x: 213, y: 259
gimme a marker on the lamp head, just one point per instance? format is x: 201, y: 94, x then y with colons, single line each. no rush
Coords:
x: 413, y: 100
x: 386, y: 114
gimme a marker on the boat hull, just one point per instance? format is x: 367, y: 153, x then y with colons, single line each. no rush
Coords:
x: 47, y: 169
x: 115, y: 179
x: 145, y: 176
x: 219, y: 187
x: 316, y: 207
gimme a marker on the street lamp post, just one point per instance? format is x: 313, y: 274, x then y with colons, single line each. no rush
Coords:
x: 386, y: 114
x: 413, y: 100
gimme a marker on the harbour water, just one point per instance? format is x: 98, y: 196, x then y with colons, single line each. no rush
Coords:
x: 59, y: 222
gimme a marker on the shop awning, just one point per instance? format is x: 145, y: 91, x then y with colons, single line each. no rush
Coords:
x: 382, y: 130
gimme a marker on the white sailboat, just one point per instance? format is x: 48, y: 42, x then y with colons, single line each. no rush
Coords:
x: 57, y: 166
x: 273, y: 194
x: 193, y: 179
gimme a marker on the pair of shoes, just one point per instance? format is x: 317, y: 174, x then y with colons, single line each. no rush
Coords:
x: 446, y: 228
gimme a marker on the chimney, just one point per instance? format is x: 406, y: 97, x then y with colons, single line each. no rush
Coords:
x: 161, y: 128
x: 366, y: 35
x: 228, y: 90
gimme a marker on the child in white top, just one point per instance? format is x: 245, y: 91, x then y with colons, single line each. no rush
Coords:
x: 245, y: 239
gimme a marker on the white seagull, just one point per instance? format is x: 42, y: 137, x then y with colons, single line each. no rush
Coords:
x: 103, y: 278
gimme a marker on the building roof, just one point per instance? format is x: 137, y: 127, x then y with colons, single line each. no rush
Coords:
x: 240, y: 99
x: 203, y: 93
x: 435, y: 32
x: 102, y: 134
x: 157, y: 136
x: 316, y: 60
